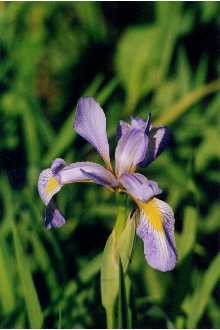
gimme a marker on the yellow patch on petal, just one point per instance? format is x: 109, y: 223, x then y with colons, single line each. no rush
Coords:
x: 52, y: 184
x: 152, y: 213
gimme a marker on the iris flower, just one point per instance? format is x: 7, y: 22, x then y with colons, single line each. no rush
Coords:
x: 139, y: 144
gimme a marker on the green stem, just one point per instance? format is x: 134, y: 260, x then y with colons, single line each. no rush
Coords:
x: 109, y: 317
x: 122, y: 301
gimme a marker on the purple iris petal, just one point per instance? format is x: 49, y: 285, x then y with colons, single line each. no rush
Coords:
x: 156, y: 229
x: 57, y: 165
x: 130, y: 150
x: 137, y: 123
x: 123, y: 128
x: 84, y: 171
x: 141, y: 124
x: 53, y: 217
x: 90, y: 123
x: 48, y: 185
x: 159, y: 138
x: 139, y: 187
x: 52, y: 179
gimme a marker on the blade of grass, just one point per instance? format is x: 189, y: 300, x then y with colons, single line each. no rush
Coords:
x: 7, y: 298
x: 175, y: 111
x: 44, y: 128
x: 110, y: 280
x: 60, y: 319
x: 107, y: 90
x: 35, y: 315
x: 91, y: 269
x: 122, y: 300
x: 63, y: 140
x: 94, y: 86
x: 202, y: 294
x: 188, y: 235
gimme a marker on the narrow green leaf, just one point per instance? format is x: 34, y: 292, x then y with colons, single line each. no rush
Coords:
x: 44, y: 128
x: 109, y: 272
x: 120, y: 222
x: 137, y: 62
x: 30, y: 135
x: 94, y: 86
x: 63, y: 140
x: 91, y: 268
x: 184, y: 72
x: 188, y: 236
x: 211, y: 223
x: 31, y: 144
x: 153, y: 283
x: 130, y: 301
x: 107, y: 90
x: 7, y: 298
x: 175, y: 111
x: 110, y: 279
x: 122, y: 300
x: 126, y: 240
x: 116, y: 257
x: 33, y: 307
x: 60, y: 319
x: 202, y: 294
x: 201, y: 72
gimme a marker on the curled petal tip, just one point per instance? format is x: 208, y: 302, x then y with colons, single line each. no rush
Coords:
x: 159, y: 139
x: 57, y: 165
x: 53, y: 217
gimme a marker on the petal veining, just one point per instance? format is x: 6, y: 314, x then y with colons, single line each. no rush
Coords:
x: 156, y: 229
x: 48, y: 185
x: 87, y: 171
x: 130, y: 151
x: 139, y: 187
x: 141, y: 124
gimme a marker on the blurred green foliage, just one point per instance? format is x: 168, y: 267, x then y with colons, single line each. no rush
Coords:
x: 134, y: 58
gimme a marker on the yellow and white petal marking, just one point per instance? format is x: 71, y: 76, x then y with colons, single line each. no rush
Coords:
x: 156, y: 229
x: 48, y: 185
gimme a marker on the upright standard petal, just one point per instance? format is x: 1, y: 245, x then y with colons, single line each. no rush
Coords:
x: 87, y: 171
x: 90, y: 123
x: 123, y: 128
x: 141, y: 124
x: 139, y: 187
x: 156, y: 229
x: 159, y: 138
x: 137, y: 123
x: 130, y: 151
